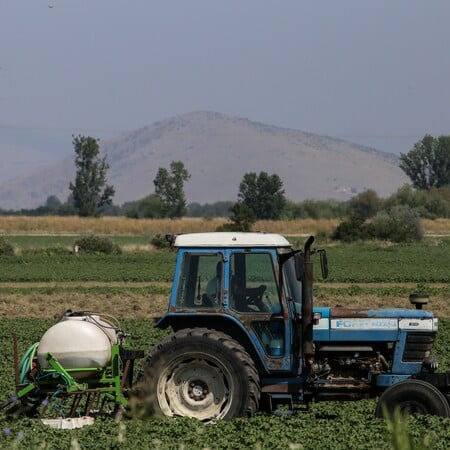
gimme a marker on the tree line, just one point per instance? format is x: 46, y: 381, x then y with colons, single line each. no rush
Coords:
x: 260, y: 196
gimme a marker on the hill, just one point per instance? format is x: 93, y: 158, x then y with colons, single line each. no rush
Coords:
x: 218, y: 150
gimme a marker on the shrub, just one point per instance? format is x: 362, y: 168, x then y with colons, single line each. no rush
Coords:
x: 429, y: 204
x: 322, y: 236
x: 159, y: 241
x: 242, y: 219
x: 436, y: 204
x: 366, y: 204
x: 400, y: 224
x: 351, y: 229
x: 6, y: 248
x: 98, y: 244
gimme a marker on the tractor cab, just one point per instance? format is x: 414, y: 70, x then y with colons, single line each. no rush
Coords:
x: 246, y: 284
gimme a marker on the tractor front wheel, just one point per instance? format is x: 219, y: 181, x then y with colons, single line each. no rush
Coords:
x: 412, y: 397
x: 199, y: 373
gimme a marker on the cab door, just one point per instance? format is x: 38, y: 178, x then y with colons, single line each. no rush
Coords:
x: 255, y: 298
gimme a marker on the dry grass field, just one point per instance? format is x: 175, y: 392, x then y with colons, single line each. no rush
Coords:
x: 124, y: 226
x: 52, y: 306
x: 133, y: 305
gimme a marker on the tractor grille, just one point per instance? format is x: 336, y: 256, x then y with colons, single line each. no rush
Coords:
x: 418, y: 346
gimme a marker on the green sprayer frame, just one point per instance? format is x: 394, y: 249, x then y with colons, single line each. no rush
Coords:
x: 68, y: 393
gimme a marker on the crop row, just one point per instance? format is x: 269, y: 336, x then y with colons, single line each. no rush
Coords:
x: 349, y: 263
x: 153, y: 266
x: 418, y: 262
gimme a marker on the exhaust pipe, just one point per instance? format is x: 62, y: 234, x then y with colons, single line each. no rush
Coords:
x: 307, y: 309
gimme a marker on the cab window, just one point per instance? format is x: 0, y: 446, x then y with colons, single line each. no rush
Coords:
x: 200, y: 281
x: 253, y: 284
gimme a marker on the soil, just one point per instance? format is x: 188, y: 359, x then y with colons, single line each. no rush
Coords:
x: 55, y: 304
x: 140, y: 305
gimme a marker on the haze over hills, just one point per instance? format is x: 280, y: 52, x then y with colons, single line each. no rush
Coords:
x: 218, y: 150
x: 22, y: 150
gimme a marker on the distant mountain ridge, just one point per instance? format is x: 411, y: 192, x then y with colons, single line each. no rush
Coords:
x: 218, y: 150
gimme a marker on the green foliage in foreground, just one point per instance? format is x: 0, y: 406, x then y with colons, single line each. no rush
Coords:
x: 328, y: 425
x: 323, y: 427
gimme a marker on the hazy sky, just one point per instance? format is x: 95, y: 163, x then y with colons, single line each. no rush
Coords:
x: 371, y: 72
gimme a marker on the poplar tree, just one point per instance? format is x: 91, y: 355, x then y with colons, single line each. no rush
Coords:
x: 428, y: 163
x: 169, y: 187
x: 89, y: 190
x: 263, y: 194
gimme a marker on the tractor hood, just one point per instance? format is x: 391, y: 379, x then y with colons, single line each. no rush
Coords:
x: 345, y: 324
x: 371, y: 313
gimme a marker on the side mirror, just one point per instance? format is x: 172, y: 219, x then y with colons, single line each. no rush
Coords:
x: 299, y: 260
x: 324, y: 263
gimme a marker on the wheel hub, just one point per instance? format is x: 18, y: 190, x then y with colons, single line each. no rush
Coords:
x: 198, y: 390
x: 195, y: 388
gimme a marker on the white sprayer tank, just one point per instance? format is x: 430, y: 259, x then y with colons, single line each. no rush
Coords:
x: 78, y: 341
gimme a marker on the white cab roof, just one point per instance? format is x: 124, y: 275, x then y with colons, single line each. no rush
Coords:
x: 230, y: 239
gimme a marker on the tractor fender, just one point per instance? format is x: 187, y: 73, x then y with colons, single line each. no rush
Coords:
x: 220, y: 322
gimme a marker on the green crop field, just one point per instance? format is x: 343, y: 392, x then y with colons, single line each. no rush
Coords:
x: 328, y: 425
x: 32, y: 267
x: 426, y: 262
x: 43, y: 279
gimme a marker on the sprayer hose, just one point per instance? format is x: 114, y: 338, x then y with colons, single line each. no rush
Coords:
x: 26, y: 363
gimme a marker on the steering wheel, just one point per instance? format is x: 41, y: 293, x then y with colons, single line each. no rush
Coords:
x: 253, y: 296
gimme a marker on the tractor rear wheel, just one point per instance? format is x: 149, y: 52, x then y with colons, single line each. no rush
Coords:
x: 413, y: 397
x: 199, y: 373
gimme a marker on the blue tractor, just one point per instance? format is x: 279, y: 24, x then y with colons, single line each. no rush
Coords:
x: 246, y: 337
